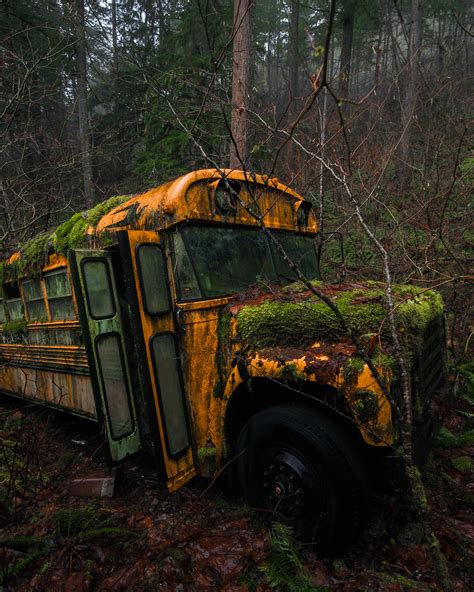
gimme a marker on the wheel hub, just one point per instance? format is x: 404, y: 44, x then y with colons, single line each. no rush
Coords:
x: 287, y: 484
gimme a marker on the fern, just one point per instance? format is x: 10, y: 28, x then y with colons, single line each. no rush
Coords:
x: 19, y: 566
x: 284, y: 569
x: 448, y: 440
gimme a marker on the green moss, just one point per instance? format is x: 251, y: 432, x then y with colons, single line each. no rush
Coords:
x: 298, y: 287
x: 97, y: 212
x: 417, y: 487
x: 352, y: 368
x: 366, y: 406
x: 14, y: 327
x: 463, y: 464
x: 71, y: 234
x: 290, y: 373
x: 384, y: 361
x: 283, y: 323
x: 206, y: 452
x: 34, y: 254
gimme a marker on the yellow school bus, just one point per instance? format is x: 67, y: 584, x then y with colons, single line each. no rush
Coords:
x: 172, y: 318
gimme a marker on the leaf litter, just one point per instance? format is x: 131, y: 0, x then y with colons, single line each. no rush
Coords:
x: 198, y: 538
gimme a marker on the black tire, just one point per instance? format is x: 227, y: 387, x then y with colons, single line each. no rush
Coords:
x: 302, y: 467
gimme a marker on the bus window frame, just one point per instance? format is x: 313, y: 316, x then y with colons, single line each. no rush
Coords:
x: 173, y: 262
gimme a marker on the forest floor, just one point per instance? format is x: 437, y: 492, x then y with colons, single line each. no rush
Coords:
x: 203, y: 537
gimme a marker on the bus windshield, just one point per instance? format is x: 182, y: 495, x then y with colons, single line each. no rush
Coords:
x: 213, y: 261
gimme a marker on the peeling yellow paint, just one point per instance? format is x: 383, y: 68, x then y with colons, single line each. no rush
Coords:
x: 192, y: 197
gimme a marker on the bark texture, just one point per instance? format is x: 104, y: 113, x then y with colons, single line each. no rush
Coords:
x: 293, y: 57
x: 81, y: 90
x: 241, y: 84
x: 410, y: 94
x: 346, y: 49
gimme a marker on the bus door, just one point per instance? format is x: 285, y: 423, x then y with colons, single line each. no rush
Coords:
x: 98, y: 302
x: 144, y: 266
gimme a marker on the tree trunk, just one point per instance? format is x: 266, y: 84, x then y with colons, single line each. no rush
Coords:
x: 346, y: 49
x: 411, y: 93
x: 241, y: 84
x: 81, y: 89
x: 114, y: 37
x: 293, y: 43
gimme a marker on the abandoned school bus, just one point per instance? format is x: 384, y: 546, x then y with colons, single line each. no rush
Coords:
x: 171, y: 318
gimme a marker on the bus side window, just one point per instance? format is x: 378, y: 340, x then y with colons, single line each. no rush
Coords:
x: 58, y: 291
x: 34, y: 300
x: 14, y: 303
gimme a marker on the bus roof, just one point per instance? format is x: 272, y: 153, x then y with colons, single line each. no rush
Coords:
x: 193, y: 197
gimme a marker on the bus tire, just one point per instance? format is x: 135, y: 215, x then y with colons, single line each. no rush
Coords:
x: 301, y: 467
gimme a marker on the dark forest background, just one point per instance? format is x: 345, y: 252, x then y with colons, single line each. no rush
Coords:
x: 362, y: 106
x: 110, y: 97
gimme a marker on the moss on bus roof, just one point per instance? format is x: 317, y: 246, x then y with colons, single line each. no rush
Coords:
x: 71, y: 234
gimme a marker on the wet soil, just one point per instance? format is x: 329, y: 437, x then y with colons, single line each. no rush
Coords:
x: 202, y: 537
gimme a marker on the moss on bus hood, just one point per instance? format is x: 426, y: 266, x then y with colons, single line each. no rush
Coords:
x: 74, y: 233
x: 294, y: 316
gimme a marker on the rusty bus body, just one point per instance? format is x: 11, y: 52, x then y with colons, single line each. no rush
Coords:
x: 118, y: 333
